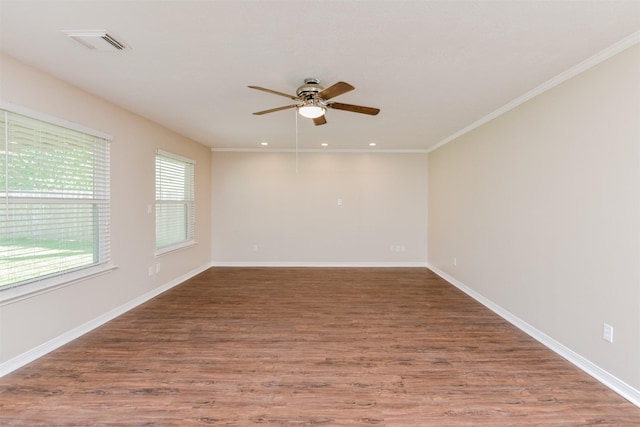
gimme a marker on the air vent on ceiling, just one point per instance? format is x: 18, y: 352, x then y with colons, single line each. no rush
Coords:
x: 96, y: 39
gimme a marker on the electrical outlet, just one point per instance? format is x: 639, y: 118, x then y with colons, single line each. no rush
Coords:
x: 455, y: 261
x: 607, y: 333
x: 151, y: 271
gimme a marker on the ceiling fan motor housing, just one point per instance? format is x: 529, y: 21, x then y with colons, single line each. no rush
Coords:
x: 309, y: 89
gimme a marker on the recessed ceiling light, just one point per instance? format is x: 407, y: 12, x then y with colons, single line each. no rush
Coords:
x: 265, y: 143
x: 324, y: 144
x: 372, y: 144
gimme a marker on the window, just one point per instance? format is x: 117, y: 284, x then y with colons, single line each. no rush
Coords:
x: 54, y: 203
x: 175, y: 206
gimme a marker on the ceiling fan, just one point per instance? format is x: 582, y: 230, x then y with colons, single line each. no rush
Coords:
x: 313, y: 100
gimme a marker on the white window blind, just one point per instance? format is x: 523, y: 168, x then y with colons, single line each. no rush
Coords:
x: 175, y: 201
x: 55, y: 200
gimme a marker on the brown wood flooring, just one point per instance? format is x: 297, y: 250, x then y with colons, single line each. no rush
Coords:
x: 308, y: 346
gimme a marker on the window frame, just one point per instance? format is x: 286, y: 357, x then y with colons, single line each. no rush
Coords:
x: 45, y: 283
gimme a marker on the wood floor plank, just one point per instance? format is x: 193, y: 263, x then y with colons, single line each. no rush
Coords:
x: 308, y: 346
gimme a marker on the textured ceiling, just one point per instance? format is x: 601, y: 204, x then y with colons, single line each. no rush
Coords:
x: 432, y: 67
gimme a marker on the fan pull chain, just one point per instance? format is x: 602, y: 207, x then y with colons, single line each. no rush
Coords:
x: 296, y: 113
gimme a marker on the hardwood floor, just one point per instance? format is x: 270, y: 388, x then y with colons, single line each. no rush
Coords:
x: 307, y: 346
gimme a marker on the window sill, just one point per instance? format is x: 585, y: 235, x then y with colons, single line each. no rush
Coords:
x: 30, y: 290
x: 173, y: 248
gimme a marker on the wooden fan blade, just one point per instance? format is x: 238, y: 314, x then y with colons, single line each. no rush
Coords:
x: 319, y: 120
x: 275, y: 92
x: 335, y: 90
x: 354, y: 108
x: 286, y: 107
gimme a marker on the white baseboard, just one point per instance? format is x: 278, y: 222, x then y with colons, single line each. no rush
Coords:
x: 315, y: 264
x: 623, y: 389
x: 39, y: 351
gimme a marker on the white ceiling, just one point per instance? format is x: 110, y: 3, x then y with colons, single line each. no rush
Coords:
x: 432, y: 67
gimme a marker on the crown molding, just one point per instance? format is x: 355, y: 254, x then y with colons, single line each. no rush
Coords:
x: 579, y: 68
x: 317, y: 150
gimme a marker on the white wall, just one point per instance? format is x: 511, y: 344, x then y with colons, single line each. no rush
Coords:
x: 33, y: 322
x: 266, y: 213
x: 541, y: 210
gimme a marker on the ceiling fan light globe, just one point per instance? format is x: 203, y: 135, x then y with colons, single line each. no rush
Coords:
x: 311, y: 111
